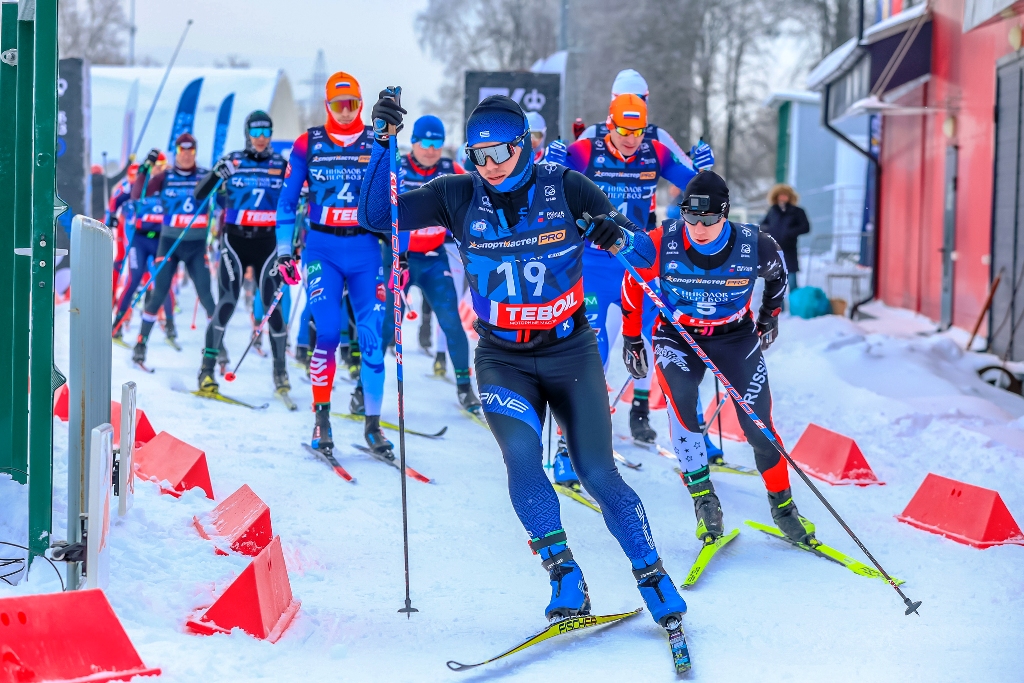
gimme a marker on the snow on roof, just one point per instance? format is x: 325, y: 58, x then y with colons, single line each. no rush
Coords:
x: 780, y: 96
x: 894, y: 24
x: 266, y: 89
x: 832, y: 63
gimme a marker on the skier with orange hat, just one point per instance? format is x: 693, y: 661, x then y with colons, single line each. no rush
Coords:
x: 338, y: 255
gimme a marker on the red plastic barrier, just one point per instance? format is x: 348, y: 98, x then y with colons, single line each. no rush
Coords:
x: 243, y: 520
x: 962, y: 512
x: 166, y: 458
x: 143, y: 429
x: 467, y: 315
x: 73, y: 636
x: 259, y: 601
x: 60, y: 404
x: 656, y: 399
x: 832, y: 457
x: 730, y: 421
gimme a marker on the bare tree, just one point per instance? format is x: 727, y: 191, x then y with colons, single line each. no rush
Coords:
x: 96, y: 30
x: 830, y: 22
x: 483, y: 35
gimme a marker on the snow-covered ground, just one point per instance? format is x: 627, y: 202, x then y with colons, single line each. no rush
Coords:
x: 763, y: 611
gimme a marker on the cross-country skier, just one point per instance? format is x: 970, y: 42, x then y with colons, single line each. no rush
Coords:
x: 174, y: 187
x: 145, y: 219
x: 332, y: 159
x: 513, y: 222
x: 427, y: 258
x: 538, y: 134
x: 707, y: 267
x: 251, y: 183
x: 626, y: 166
x: 119, y: 212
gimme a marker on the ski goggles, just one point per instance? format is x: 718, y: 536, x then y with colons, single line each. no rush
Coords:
x: 705, y: 218
x: 629, y: 132
x: 349, y: 104
x: 261, y: 132
x: 186, y: 147
x: 499, y: 153
x: 431, y: 144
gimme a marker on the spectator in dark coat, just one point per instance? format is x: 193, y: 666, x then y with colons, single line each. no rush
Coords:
x: 785, y: 221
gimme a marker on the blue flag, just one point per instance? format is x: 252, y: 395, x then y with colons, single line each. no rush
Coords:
x: 220, y: 133
x: 186, y: 114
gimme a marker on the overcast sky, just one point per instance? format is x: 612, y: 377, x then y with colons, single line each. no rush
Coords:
x: 373, y: 41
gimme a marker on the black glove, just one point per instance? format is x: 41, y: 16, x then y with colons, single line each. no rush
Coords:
x: 389, y: 111
x: 768, y: 326
x: 151, y: 158
x: 288, y: 269
x: 223, y: 169
x: 603, y: 230
x: 403, y: 260
x: 634, y: 355
x: 113, y: 222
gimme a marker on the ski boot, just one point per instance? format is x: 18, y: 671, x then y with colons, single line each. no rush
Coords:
x: 424, y: 333
x: 706, y: 505
x: 788, y: 519
x: 715, y: 454
x: 640, y: 422
x: 355, y: 363
x: 139, y: 352
x: 564, y: 473
x: 117, y: 336
x: 569, y: 597
x: 440, y: 364
x: 663, y: 601
x: 468, y: 399
x: 375, y: 438
x: 207, y: 379
x: 302, y: 355
x: 322, y: 440
x: 281, y: 382
x: 357, y: 405
x: 257, y: 346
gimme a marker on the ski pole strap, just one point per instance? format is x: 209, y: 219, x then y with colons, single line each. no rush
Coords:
x: 555, y: 537
x: 648, y: 571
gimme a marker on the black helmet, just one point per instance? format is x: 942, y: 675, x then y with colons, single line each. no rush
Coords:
x: 258, y: 119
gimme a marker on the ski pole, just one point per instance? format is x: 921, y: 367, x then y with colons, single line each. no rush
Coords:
x: 167, y: 256
x: 743, y: 403
x: 618, y: 396
x: 230, y: 376
x: 195, y: 312
x: 718, y: 409
x: 379, y: 126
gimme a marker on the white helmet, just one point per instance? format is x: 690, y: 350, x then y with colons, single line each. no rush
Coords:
x: 629, y: 82
x: 536, y: 122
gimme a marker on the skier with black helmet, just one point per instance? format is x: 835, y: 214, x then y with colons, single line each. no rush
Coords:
x: 252, y: 180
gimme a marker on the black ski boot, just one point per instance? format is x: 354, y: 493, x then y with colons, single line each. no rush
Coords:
x: 322, y: 440
x: 302, y: 355
x: 207, y: 379
x: 117, y: 336
x: 139, y: 352
x: 440, y: 364
x: 640, y: 422
x: 375, y: 438
x: 281, y: 382
x: 356, y: 405
x: 425, y: 328
x: 706, y: 505
x: 788, y: 519
x: 468, y: 399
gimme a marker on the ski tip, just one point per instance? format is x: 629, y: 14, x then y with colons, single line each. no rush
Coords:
x: 344, y: 475
x: 455, y: 666
x: 417, y: 476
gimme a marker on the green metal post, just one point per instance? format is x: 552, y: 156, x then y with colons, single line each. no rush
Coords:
x: 782, y: 146
x: 44, y: 144
x: 22, y: 240
x: 8, y: 112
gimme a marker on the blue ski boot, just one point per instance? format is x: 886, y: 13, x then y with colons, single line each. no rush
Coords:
x: 569, y: 596
x: 564, y: 473
x: 715, y: 454
x: 663, y: 600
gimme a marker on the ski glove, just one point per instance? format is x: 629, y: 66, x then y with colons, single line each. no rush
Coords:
x: 557, y: 153
x: 388, y: 111
x: 702, y: 156
x: 634, y: 355
x: 288, y: 269
x: 224, y: 169
x: 603, y: 231
x: 151, y: 158
x: 768, y: 326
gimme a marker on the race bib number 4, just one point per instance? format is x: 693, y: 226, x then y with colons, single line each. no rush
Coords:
x: 537, y: 316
